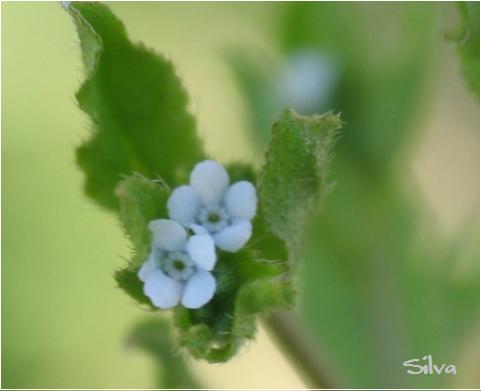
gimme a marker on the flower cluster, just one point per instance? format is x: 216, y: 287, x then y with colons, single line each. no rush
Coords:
x: 204, y: 215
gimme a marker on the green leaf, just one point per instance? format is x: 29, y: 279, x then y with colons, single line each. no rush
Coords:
x: 467, y: 39
x: 136, y: 103
x: 154, y: 336
x: 294, y: 175
x: 129, y: 282
x: 264, y: 244
x: 246, y: 288
x: 141, y: 200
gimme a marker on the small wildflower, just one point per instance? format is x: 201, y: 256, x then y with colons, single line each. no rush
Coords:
x: 210, y: 206
x: 307, y: 81
x: 178, y: 268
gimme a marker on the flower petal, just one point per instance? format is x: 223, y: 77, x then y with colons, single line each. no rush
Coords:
x: 210, y: 180
x: 183, y: 205
x: 241, y: 200
x: 168, y: 234
x: 163, y: 291
x: 201, y: 249
x: 148, y: 267
x: 199, y: 290
x: 234, y: 237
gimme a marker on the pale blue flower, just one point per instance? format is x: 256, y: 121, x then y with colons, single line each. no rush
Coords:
x: 178, y: 267
x: 210, y: 206
x: 307, y: 81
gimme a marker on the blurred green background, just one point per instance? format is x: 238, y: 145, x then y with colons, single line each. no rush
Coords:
x: 391, y: 270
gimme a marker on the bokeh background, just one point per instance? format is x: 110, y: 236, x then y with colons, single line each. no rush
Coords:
x: 391, y: 268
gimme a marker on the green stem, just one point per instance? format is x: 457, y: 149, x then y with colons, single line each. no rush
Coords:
x: 289, y: 335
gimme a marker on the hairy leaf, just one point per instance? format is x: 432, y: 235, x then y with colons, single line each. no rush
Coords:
x: 141, y: 200
x: 294, y: 175
x: 137, y: 105
x: 246, y: 288
x: 129, y: 282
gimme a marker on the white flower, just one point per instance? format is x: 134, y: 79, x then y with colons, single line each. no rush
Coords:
x: 210, y: 206
x: 178, y: 268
